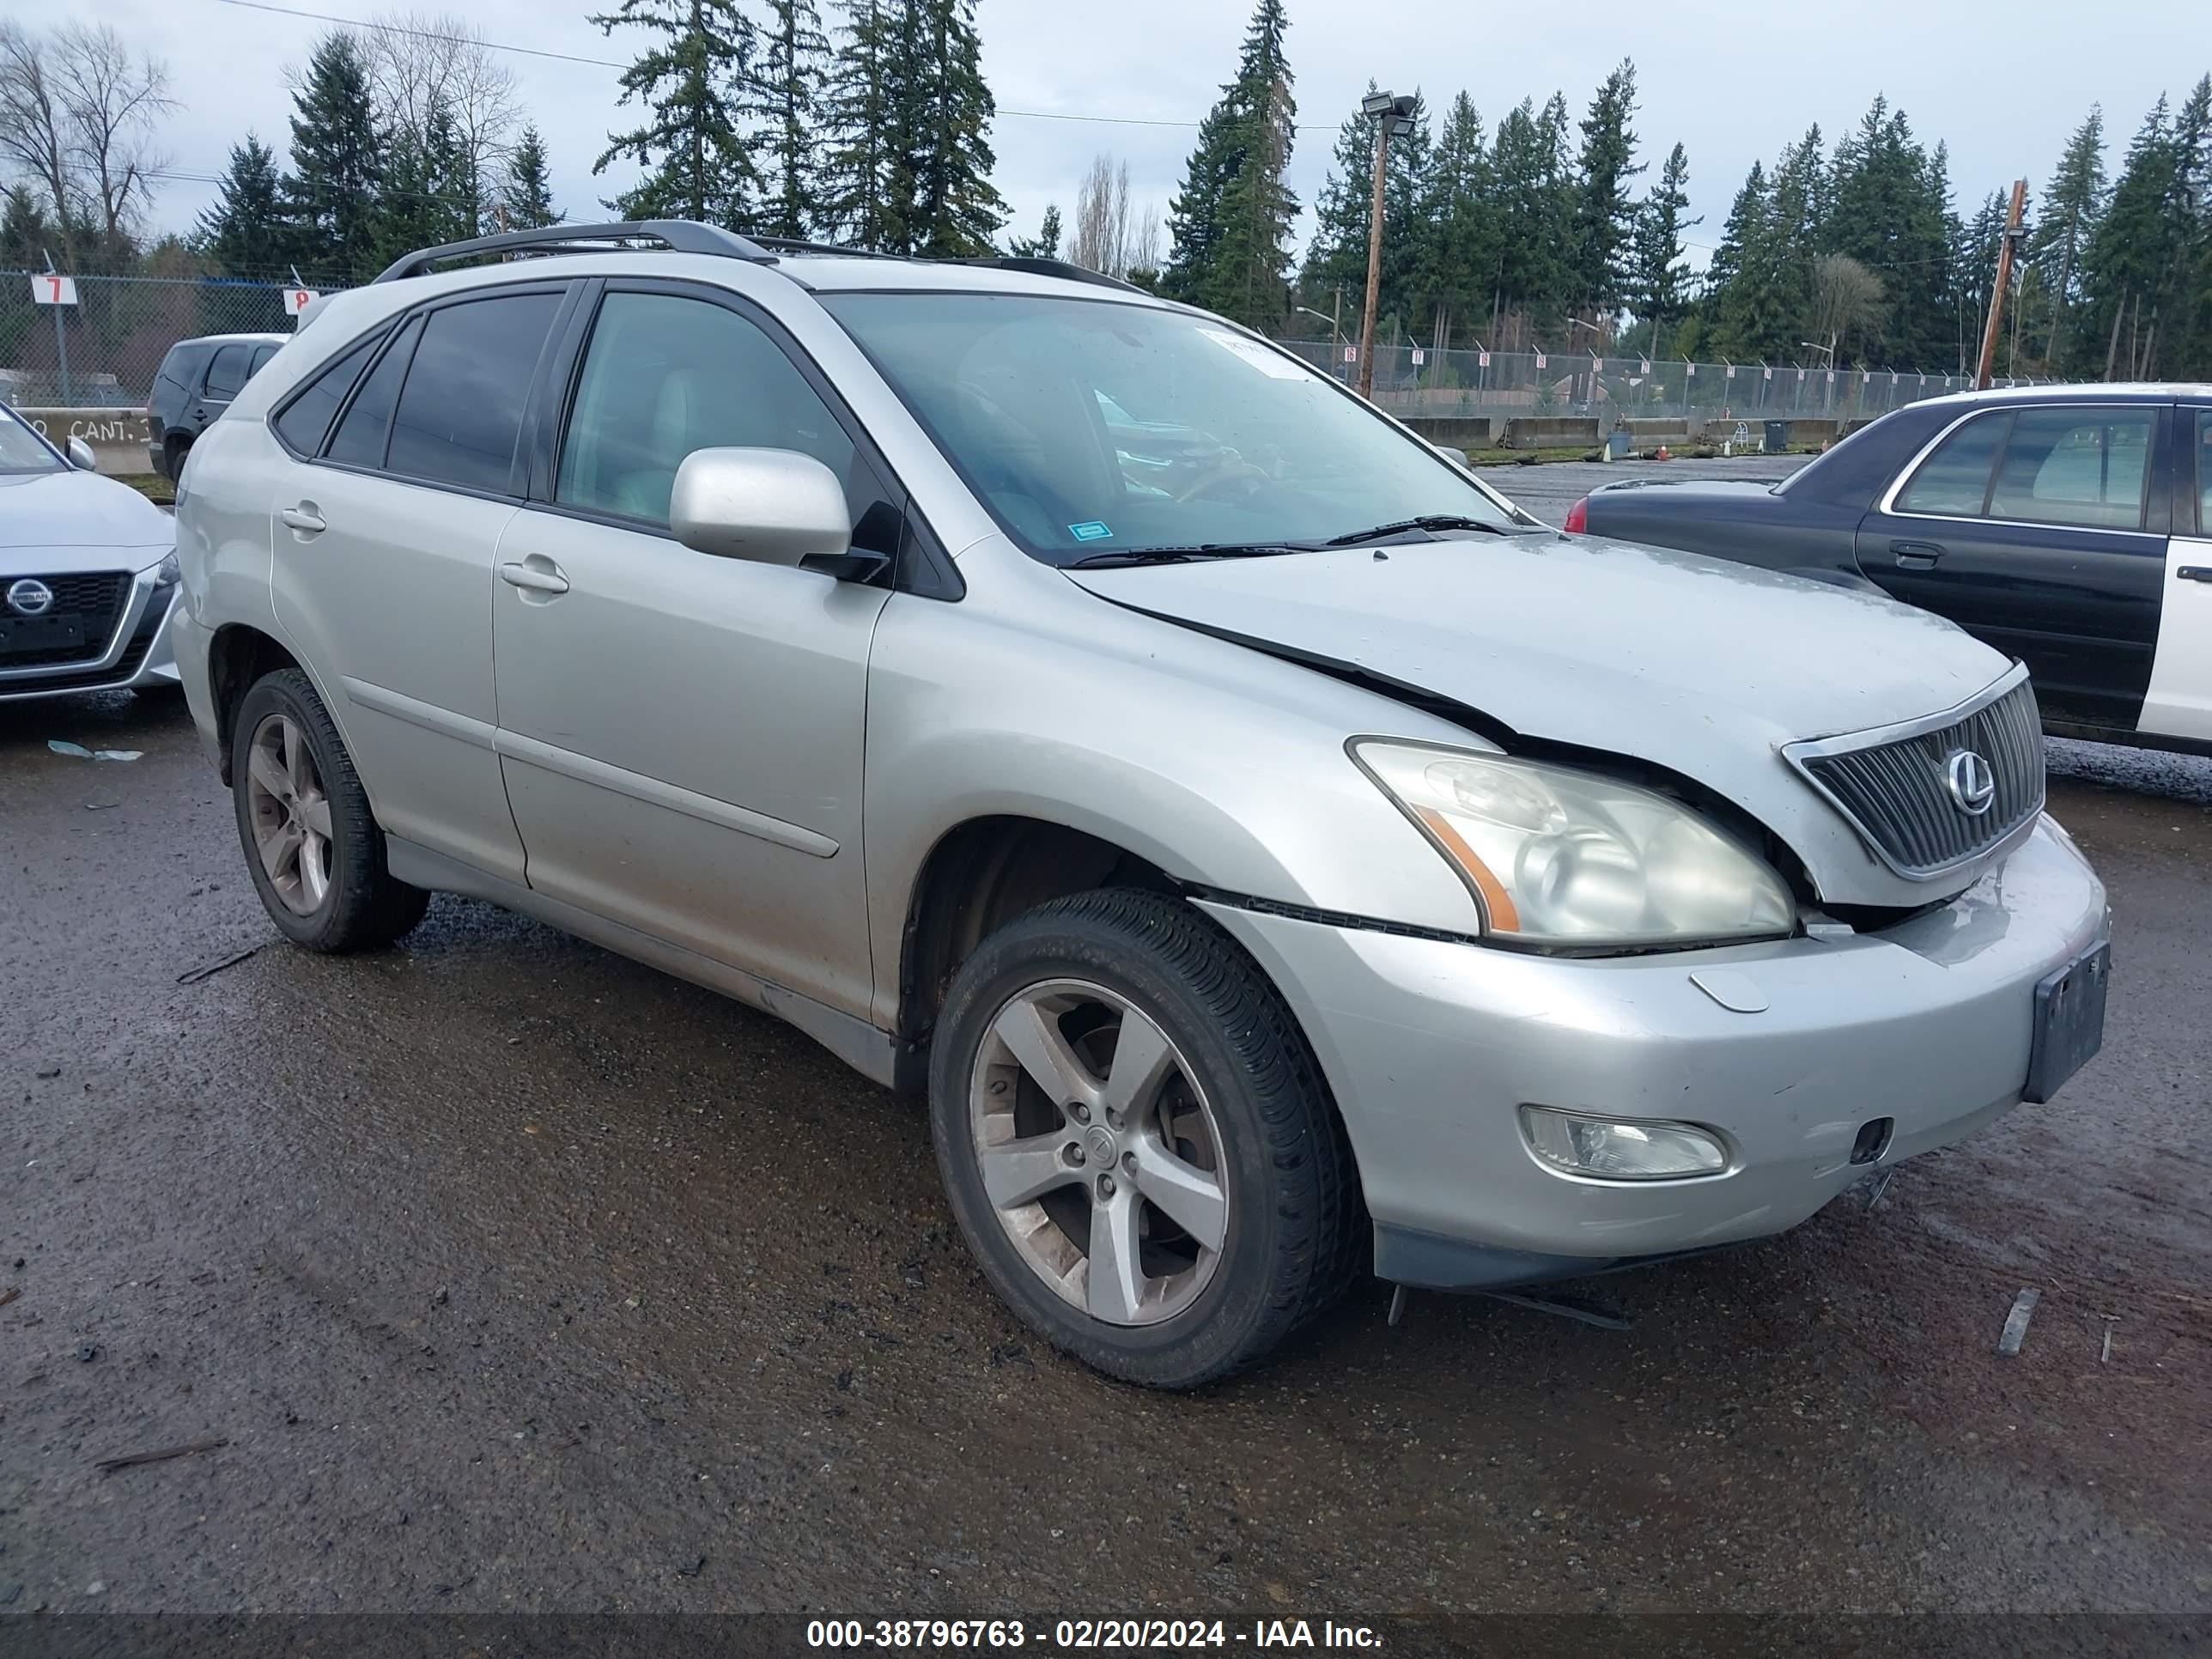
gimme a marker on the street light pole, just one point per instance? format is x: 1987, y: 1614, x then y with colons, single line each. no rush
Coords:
x: 1393, y: 115
x: 2012, y: 234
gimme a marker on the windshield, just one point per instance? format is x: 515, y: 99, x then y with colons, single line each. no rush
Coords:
x: 21, y: 449
x: 1092, y: 426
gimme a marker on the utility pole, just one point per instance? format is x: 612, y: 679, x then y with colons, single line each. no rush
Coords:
x: 1393, y: 116
x: 1996, y: 326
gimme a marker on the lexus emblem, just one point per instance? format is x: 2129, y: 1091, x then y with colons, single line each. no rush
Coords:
x: 30, y: 596
x: 1973, y: 786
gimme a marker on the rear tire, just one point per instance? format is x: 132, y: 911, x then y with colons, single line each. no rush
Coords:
x: 1210, y: 1173
x: 312, y: 845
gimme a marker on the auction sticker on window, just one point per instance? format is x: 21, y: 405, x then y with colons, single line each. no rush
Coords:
x: 1273, y: 364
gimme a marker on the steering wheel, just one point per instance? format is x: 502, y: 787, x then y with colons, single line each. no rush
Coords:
x: 1231, y: 468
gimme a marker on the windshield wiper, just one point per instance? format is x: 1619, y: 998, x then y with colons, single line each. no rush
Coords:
x: 1182, y: 554
x: 1426, y: 521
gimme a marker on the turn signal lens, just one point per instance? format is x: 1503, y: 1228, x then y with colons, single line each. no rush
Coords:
x: 1607, y: 1151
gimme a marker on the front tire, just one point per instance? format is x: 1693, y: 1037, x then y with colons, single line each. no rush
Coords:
x: 1137, y: 1141
x: 312, y: 845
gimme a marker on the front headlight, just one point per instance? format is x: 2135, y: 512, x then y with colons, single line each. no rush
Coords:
x: 166, y: 573
x: 1560, y: 857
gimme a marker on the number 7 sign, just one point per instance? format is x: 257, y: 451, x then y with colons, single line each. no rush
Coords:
x: 51, y: 288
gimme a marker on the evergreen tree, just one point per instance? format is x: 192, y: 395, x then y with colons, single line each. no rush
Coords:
x: 1460, y: 246
x: 1231, y: 223
x: 863, y: 82
x: 795, y: 64
x: 1406, y: 232
x: 1744, y: 216
x: 691, y: 85
x: 2147, y: 267
x: 244, y: 231
x: 1659, y: 272
x: 330, y: 199
x: 1045, y: 244
x: 1604, y: 210
x: 950, y: 210
x: 1337, y: 257
x: 1532, y: 211
x: 525, y: 201
x: 25, y: 233
x: 2072, y: 206
x: 427, y: 197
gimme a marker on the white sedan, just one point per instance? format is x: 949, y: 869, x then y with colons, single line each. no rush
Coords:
x: 88, y: 574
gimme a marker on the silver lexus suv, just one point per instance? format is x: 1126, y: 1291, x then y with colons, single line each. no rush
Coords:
x: 1274, y: 856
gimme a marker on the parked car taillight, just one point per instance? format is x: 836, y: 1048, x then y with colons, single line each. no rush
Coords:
x: 1579, y: 517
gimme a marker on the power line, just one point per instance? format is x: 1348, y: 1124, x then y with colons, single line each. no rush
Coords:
x: 609, y: 62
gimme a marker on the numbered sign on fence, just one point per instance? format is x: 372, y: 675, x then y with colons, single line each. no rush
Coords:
x: 296, y: 301
x: 49, y: 289
x: 1540, y: 363
x: 1420, y: 356
x: 1482, y: 360
x: 1352, y: 353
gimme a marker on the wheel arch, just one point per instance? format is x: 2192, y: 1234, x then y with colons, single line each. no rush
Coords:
x: 238, y: 655
x: 981, y: 873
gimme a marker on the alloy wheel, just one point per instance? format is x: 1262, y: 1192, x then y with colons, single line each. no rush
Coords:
x: 290, y: 814
x: 1098, y: 1151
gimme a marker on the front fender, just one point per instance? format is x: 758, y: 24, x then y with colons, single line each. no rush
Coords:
x: 1224, y: 768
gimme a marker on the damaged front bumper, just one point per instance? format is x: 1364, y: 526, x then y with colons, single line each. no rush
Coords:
x: 1432, y: 1048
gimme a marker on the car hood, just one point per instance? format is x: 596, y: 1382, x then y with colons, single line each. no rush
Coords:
x: 55, y: 522
x: 1701, y: 666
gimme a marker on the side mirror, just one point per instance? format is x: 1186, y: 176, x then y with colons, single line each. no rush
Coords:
x: 770, y: 506
x: 81, y: 456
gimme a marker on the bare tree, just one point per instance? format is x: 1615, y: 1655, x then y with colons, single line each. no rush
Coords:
x: 1101, y: 238
x: 417, y: 60
x: 112, y: 100
x: 1846, y: 296
x: 34, y: 136
x: 77, y: 116
x: 1143, y: 253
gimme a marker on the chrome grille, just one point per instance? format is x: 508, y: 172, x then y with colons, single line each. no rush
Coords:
x: 1893, y: 784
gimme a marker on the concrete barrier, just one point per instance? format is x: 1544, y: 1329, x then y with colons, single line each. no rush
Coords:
x: 1807, y: 431
x: 1641, y: 433
x: 1551, y: 432
x: 118, y: 436
x: 1452, y: 431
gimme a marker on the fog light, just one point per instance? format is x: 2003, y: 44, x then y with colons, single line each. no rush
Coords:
x: 1622, y: 1152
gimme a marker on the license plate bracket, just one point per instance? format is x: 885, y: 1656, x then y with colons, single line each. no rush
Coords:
x: 40, y: 633
x: 2070, y: 1021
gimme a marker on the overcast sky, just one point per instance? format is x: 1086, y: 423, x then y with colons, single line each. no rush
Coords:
x: 2003, y: 82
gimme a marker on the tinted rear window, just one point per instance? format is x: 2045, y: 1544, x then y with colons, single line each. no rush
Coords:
x: 308, y: 417
x: 227, y: 373
x: 460, y: 413
x: 366, y: 427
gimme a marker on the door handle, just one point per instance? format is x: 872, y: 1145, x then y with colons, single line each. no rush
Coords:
x: 536, y: 580
x: 303, y: 518
x: 2195, y: 573
x: 1915, y: 556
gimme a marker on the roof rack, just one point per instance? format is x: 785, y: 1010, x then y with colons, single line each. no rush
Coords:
x: 1061, y: 268
x: 678, y: 235
x: 796, y: 245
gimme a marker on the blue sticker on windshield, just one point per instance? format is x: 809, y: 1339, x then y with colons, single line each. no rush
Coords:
x: 1092, y: 532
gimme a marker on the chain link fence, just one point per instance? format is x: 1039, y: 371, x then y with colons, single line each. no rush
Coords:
x: 103, y: 351
x: 1505, y: 385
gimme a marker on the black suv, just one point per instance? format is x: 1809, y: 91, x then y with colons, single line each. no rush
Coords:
x: 195, y: 383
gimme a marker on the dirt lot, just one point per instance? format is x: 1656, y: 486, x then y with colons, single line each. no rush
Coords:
x: 514, y: 1276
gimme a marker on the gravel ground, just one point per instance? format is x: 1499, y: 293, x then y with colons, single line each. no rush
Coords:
x: 514, y: 1276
